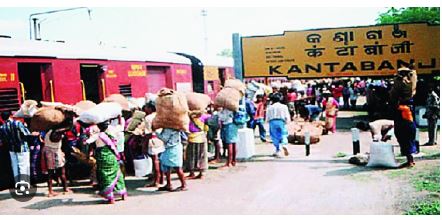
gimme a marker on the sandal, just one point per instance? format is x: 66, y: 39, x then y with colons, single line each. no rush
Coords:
x: 165, y: 188
x: 181, y: 188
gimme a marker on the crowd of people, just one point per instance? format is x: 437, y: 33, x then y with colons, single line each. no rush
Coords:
x: 109, y: 148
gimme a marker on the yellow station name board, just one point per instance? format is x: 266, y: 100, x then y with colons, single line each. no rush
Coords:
x: 354, y: 51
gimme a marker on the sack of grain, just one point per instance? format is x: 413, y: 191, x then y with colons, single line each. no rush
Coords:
x: 50, y: 104
x: 172, y: 110
x: 45, y: 118
x: 137, y: 118
x: 228, y: 98
x: 136, y: 103
x: 236, y: 84
x: 101, y: 113
x: 120, y: 99
x: 82, y: 106
x: 315, y: 133
x: 197, y: 101
x: 381, y: 155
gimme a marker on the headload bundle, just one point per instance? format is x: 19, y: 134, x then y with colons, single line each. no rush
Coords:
x: 136, y: 103
x: 172, y: 110
x: 27, y: 109
x: 101, y: 113
x: 228, y: 98
x: 197, y: 101
x: 150, y: 97
x: 120, y: 99
x: 82, y: 106
x: 45, y: 118
x: 236, y: 84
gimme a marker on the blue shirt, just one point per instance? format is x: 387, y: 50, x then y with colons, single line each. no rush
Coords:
x: 13, y: 134
x: 313, y: 109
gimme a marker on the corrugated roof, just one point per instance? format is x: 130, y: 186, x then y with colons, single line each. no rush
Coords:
x: 11, y: 47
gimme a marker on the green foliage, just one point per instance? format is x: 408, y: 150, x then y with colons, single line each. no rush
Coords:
x: 226, y: 53
x: 411, y: 14
x: 340, y: 154
x: 425, y: 208
x: 428, y: 180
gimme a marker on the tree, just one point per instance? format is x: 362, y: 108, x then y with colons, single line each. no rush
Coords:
x: 226, y: 53
x: 411, y: 14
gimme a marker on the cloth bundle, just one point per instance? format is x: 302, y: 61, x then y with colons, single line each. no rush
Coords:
x: 120, y: 99
x: 27, y: 109
x: 101, y: 113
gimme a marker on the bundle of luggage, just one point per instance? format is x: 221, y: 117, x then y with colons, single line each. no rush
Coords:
x: 101, y: 113
x: 230, y: 95
x: 297, y: 131
x: 172, y: 110
x: 197, y: 101
x: 27, y: 109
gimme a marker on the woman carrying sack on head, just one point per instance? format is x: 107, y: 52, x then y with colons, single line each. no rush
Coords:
x: 109, y: 176
x: 401, y: 99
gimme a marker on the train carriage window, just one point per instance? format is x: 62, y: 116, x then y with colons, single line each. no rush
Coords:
x: 90, y: 74
x: 30, y: 75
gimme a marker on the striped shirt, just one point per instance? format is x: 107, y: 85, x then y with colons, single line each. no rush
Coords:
x: 13, y: 134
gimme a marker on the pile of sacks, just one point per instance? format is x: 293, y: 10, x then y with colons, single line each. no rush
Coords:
x: 231, y: 94
x: 297, y: 131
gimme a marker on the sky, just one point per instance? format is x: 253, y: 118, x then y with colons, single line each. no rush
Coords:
x: 176, y: 29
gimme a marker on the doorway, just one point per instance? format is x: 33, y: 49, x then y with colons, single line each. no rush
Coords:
x: 156, y: 78
x: 222, y: 75
x: 90, y: 74
x: 30, y: 75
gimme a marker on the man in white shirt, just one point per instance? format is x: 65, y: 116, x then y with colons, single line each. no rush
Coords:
x: 278, y: 116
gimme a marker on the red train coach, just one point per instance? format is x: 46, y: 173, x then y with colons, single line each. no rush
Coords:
x: 216, y: 71
x: 57, y: 72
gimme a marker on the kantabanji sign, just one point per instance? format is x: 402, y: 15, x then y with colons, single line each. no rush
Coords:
x: 353, y: 51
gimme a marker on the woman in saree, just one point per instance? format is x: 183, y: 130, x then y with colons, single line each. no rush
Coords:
x: 109, y: 176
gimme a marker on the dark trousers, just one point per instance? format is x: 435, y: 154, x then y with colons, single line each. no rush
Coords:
x: 432, y: 130
x: 346, y: 103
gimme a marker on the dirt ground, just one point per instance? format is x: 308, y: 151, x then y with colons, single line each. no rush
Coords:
x: 297, y: 184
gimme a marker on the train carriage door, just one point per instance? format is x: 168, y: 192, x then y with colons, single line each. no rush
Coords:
x: 156, y: 78
x: 30, y: 76
x: 90, y: 75
x: 222, y: 75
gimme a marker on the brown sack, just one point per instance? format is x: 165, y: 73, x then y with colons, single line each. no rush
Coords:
x: 197, y: 101
x: 120, y: 99
x: 46, y: 118
x: 315, y: 133
x: 172, y: 110
x: 228, y: 98
x: 235, y: 84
